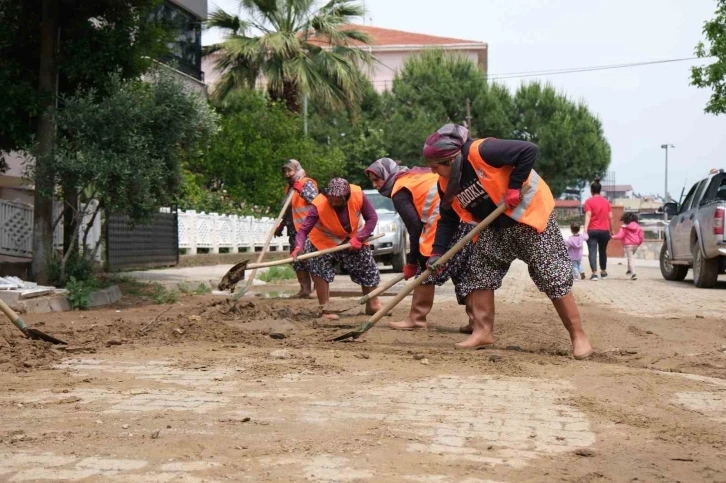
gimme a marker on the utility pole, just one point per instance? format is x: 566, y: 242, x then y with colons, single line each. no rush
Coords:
x: 665, y: 193
x: 305, y: 114
x: 468, y: 113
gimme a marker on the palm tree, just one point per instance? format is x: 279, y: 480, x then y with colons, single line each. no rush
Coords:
x: 296, y: 47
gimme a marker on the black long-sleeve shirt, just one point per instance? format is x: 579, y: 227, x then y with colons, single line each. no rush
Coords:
x: 403, y: 203
x: 472, y: 197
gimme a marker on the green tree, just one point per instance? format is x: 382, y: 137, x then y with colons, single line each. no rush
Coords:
x: 246, y: 157
x: 297, y: 48
x: 571, y: 141
x: 431, y: 89
x: 713, y: 75
x: 37, y: 64
x: 125, y: 149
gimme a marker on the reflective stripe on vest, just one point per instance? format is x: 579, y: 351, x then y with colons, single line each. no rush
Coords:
x: 328, y: 232
x: 536, y: 206
x: 425, y: 195
x: 300, y: 207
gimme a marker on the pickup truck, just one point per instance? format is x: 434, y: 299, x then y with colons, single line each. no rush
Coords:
x: 694, y: 237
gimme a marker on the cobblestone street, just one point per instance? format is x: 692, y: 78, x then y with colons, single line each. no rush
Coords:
x: 238, y: 405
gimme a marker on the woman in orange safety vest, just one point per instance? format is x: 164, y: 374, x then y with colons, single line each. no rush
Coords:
x: 415, y: 198
x: 304, y: 192
x: 476, y: 176
x: 342, y: 215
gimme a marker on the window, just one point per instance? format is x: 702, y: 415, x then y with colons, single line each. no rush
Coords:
x: 185, y: 51
x: 699, y: 192
x: 716, y: 190
x: 689, y: 198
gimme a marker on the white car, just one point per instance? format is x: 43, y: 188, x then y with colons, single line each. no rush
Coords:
x: 391, y: 249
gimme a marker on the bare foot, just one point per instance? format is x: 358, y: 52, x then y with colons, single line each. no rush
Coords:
x: 581, y: 348
x: 476, y: 339
x: 329, y: 316
x: 407, y: 325
x: 302, y: 295
x: 466, y: 329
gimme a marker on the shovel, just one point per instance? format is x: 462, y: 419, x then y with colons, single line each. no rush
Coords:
x: 34, y: 334
x: 354, y: 334
x: 237, y: 273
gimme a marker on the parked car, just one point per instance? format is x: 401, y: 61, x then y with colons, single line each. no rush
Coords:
x: 391, y: 249
x: 695, y: 235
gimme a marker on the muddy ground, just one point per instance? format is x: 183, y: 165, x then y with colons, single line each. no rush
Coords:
x: 255, y: 391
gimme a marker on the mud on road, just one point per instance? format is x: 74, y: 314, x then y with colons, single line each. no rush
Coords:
x: 255, y: 391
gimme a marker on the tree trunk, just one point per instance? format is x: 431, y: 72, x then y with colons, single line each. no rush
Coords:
x: 70, y: 206
x: 47, y: 84
x: 290, y: 94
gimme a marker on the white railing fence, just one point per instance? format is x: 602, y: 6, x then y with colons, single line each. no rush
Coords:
x: 212, y: 231
x: 197, y: 230
x: 16, y: 229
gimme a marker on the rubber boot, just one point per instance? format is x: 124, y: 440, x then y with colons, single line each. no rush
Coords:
x: 482, y: 312
x: 306, y: 288
x: 374, y: 304
x: 322, y: 288
x: 421, y: 303
x: 569, y: 314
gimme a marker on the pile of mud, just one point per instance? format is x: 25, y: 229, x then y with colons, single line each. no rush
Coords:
x: 19, y: 354
x: 244, y: 311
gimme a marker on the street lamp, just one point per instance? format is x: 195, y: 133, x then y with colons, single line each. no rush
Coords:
x: 665, y: 194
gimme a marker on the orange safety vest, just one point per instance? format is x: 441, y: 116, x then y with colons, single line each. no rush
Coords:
x: 328, y: 232
x: 425, y: 194
x: 300, y: 207
x: 534, y: 209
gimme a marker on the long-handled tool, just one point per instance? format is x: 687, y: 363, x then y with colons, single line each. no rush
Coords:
x: 364, y: 299
x: 29, y: 332
x: 237, y: 273
x: 270, y: 236
x: 426, y: 273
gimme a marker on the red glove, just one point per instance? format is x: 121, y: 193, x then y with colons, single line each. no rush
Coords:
x: 278, y: 231
x: 512, y: 198
x: 296, y: 252
x: 355, y: 244
x: 409, y: 270
x: 298, y: 186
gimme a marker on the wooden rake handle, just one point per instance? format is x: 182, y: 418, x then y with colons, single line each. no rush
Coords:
x: 380, y: 289
x: 307, y: 256
x: 426, y: 273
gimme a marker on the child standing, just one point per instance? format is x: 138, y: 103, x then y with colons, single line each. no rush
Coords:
x: 631, y: 234
x: 574, y: 248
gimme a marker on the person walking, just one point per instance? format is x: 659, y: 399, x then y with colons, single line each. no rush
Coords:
x: 598, y: 226
x: 476, y: 176
x: 305, y: 190
x: 631, y: 235
x: 415, y: 196
x: 334, y: 219
x: 574, y: 248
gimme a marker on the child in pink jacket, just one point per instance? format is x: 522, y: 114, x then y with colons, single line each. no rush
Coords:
x: 631, y: 234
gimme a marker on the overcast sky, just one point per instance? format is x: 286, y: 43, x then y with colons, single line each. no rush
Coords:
x: 641, y: 107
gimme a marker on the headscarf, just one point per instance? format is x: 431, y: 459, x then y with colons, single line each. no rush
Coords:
x: 338, y: 187
x: 444, y: 144
x: 298, y: 171
x: 389, y: 171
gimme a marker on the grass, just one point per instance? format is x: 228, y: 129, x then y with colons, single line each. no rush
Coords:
x: 276, y: 274
x: 188, y: 289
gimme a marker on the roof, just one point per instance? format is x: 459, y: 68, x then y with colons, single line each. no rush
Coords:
x: 567, y: 203
x: 617, y: 187
x: 381, y: 37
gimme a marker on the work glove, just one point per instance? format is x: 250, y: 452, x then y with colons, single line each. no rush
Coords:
x: 432, y: 261
x: 512, y: 198
x: 298, y: 186
x: 355, y: 244
x: 296, y: 252
x: 409, y: 270
x: 278, y: 231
